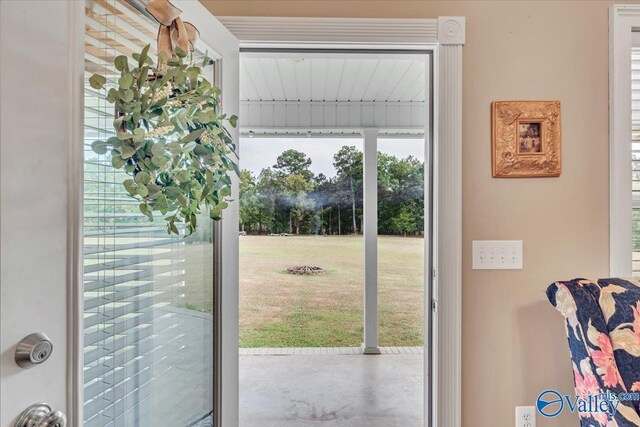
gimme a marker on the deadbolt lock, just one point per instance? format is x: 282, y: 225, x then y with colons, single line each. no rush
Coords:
x: 33, y: 350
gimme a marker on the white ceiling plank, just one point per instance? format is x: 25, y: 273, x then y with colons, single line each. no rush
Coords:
x: 379, y: 79
x: 272, y: 78
x: 287, y: 71
x: 364, y: 75
x: 395, y: 76
x: 318, y: 74
x: 248, y: 90
x: 405, y: 87
x: 303, y: 79
x: 334, y: 74
x: 419, y: 92
x: 351, y: 72
x: 257, y: 75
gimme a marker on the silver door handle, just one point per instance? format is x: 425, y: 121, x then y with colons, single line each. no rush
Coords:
x: 41, y: 415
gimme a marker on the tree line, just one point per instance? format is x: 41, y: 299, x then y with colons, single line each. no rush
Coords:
x: 288, y: 198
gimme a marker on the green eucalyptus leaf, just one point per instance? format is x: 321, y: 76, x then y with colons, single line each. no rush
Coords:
x: 125, y: 81
x: 127, y: 151
x: 143, y: 178
x: 112, y: 95
x: 142, y: 191
x: 180, y: 78
x: 183, y: 176
x: 126, y: 95
x: 189, y: 146
x: 172, y: 191
x: 144, y: 208
x: 161, y: 102
x: 225, y: 191
x: 153, y: 188
x: 192, y: 136
x: 174, y: 148
x: 143, y: 57
x: 160, y: 161
x: 99, y: 147
x: 163, y: 57
x: 192, y: 74
x: 138, y: 134
x: 97, y: 81
x: 117, y: 162
x: 180, y: 52
x: 117, y: 122
x: 233, y: 121
x: 161, y: 204
x: 130, y: 186
x: 200, y: 150
x: 158, y: 149
x: 121, y: 63
x: 220, y: 207
x: 123, y: 135
x: 182, y: 200
x: 173, y: 227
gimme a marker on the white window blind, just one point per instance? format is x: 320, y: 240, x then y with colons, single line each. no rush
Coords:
x: 635, y: 155
x: 148, y: 296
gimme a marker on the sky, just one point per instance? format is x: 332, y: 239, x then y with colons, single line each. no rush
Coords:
x: 259, y: 153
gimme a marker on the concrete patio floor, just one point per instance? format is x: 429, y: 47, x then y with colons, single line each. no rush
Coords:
x: 338, y: 389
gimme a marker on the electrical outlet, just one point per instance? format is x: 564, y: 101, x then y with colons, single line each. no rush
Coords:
x: 525, y: 416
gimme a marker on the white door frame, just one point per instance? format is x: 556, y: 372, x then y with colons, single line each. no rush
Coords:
x: 445, y: 36
x: 623, y: 20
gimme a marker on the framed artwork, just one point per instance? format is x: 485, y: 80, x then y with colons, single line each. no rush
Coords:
x: 526, y: 139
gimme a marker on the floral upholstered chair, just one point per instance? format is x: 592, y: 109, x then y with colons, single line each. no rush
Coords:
x: 603, y: 327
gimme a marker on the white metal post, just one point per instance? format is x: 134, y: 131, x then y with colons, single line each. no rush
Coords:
x: 370, y: 231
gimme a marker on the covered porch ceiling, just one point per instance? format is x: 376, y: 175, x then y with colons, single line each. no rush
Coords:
x: 332, y: 93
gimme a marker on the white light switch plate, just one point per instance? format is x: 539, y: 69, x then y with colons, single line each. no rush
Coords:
x: 525, y: 416
x: 497, y: 255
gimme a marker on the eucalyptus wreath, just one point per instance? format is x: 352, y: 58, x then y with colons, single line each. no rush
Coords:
x: 170, y: 137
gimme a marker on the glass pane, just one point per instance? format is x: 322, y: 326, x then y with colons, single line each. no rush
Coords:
x: 401, y: 241
x: 148, y: 296
x: 301, y: 206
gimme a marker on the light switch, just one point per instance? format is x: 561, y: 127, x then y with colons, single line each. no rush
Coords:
x: 497, y: 255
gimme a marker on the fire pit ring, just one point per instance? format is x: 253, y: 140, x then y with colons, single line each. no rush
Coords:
x: 306, y: 270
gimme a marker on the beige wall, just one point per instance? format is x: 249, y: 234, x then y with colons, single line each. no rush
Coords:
x: 513, y: 341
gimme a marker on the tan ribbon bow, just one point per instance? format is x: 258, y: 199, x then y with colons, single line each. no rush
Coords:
x: 173, y: 31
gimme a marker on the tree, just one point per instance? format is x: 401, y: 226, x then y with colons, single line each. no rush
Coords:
x: 348, y: 164
x: 400, y: 185
x: 288, y: 196
x: 404, y: 222
x: 293, y: 162
x: 270, y: 191
x: 248, y: 200
x: 297, y: 188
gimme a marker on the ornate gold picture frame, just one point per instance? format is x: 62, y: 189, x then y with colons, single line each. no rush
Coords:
x: 526, y: 139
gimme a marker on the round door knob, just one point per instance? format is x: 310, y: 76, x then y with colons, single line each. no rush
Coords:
x: 41, y: 415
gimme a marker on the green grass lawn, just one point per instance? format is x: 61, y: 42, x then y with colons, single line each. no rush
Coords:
x: 278, y: 309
